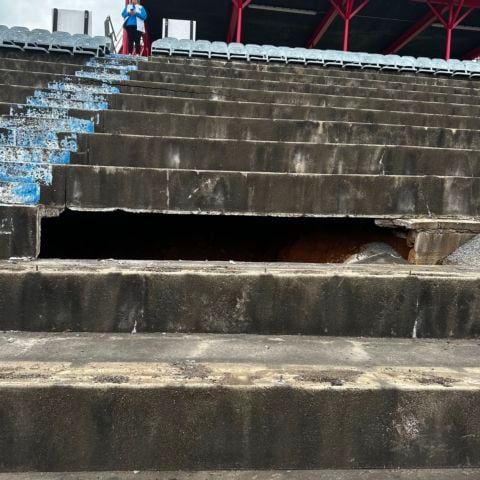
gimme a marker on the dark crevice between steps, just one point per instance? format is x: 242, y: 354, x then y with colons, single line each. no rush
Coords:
x: 143, y: 236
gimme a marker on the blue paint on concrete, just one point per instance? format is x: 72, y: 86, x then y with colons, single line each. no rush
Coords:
x: 40, y: 173
x: 34, y: 155
x: 43, y: 132
x: 14, y: 193
x: 103, y: 77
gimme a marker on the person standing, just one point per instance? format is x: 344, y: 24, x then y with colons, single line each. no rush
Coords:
x: 135, y: 16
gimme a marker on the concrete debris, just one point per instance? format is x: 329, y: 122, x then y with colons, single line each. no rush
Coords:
x: 377, y: 253
x: 468, y: 254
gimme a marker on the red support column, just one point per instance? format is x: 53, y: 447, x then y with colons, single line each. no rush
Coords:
x: 455, y: 17
x: 236, y: 20
x: 239, y: 23
x: 346, y: 10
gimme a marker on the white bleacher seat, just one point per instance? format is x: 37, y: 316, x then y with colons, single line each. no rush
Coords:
x: 255, y: 52
x: 219, y: 50
x: 313, y: 57
x: 332, y: 58
x: 164, y: 45
x: 237, y: 51
x: 458, y: 68
x: 201, y: 48
x: 184, y: 47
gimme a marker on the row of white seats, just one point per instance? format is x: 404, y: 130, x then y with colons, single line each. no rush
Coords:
x: 304, y: 56
x: 39, y: 40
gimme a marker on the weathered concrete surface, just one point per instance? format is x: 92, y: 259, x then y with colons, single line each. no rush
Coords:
x: 433, y: 240
x: 321, y: 85
x: 326, y: 76
x: 71, y: 403
x: 14, y: 93
x: 427, y: 474
x: 110, y: 296
x: 225, y: 66
x: 154, y: 80
x: 22, y: 225
x: 252, y: 193
x: 281, y: 130
x: 449, y: 114
x: 34, y: 66
x: 210, y: 154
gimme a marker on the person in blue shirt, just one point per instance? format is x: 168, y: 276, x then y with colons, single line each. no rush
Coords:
x: 135, y: 16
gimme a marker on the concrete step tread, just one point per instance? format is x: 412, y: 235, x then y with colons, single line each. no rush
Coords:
x: 398, y: 474
x: 299, y: 70
x: 294, y: 121
x: 240, y: 361
x: 310, y: 75
x: 238, y: 268
x: 278, y: 106
x: 112, y: 137
x: 299, y: 175
x: 363, y: 85
x: 296, y: 89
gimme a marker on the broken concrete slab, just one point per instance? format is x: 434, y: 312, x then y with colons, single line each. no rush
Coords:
x: 254, y: 193
x: 376, y: 253
x: 433, y: 240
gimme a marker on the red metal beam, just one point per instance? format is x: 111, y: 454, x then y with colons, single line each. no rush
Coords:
x: 413, y: 32
x: 233, y: 22
x: 322, y: 27
x: 455, y: 17
x: 472, y: 54
x: 346, y: 9
x: 466, y: 3
x: 236, y: 20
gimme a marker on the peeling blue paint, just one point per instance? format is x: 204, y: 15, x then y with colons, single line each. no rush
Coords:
x: 43, y: 132
x: 26, y: 172
x: 104, y: 77
x: 12, y: 193
x: 34, y: 155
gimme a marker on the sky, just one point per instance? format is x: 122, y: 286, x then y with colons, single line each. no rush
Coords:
x: 35, y: 14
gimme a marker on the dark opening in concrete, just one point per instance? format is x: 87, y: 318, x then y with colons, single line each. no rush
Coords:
x: 134, y: 236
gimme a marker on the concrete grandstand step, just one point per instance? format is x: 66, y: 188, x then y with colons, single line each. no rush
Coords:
x: 255, y: 193
x: 152, y: 79
x: 310, y: 75
x: 34, y: 155
x: 298, y: 70
x: 36, y: 66
x: 285, y: 97
x: 5, y: 244
x: 275, y: 111
x: 161, y: 402
x: 280, y: 130
x: 23, y: 224
x: 18, y: 193
x: 291, y: 83
x: 69, y: 124
x: 384, y: 474
x: 14, y: 93
x: 201, y: 154
x: 38, y: 139
x: 242, y: 298
x: 181, y: 102
x: 22, y: 172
